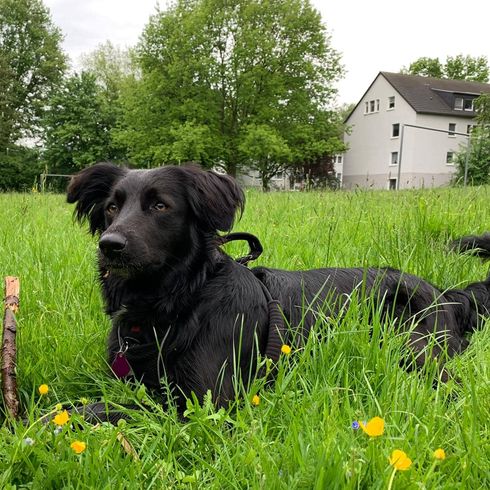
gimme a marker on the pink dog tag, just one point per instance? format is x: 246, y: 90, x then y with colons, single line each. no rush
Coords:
x: 120, y: 365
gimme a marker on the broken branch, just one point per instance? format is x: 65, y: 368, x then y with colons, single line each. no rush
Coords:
x: 9, y: 349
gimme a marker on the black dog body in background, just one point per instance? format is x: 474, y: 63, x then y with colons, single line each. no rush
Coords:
x: 183, y: 310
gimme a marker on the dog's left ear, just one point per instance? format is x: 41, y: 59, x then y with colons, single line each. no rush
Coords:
x: 214, y: 198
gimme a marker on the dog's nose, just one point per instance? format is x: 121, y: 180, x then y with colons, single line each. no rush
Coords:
x: 112, y: 244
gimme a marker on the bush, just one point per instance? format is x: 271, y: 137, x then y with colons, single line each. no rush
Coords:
x: 19, y: 169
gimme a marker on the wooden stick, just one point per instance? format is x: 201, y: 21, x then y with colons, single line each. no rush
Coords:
x: 9, y: 349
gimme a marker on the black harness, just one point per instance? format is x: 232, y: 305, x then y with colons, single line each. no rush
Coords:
x: 277, y: 331
x: 131, y: 351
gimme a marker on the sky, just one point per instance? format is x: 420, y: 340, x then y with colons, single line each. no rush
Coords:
x: 372, y: 36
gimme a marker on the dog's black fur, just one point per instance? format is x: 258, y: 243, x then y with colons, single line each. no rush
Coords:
x: 195, y: 316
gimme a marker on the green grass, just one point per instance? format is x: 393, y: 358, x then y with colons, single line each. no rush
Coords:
x: 300, y: 434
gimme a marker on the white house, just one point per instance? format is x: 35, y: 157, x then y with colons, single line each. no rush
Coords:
x: 408, y: 127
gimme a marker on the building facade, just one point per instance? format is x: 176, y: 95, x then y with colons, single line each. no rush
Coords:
x: 404, y: 131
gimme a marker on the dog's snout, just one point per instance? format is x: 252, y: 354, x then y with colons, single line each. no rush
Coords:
x: 112, y: 244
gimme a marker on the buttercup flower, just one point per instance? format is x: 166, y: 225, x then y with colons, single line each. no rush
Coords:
x: 285, y: 349
x: 255, y: 400
x: 399, y: 460
x: 440, y: 454
x: 62, y: 418
x: 43, y: 389
x: 78, y: 446
x: 374, y: 428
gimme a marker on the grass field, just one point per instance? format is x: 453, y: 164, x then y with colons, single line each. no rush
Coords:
x: 300, y: 434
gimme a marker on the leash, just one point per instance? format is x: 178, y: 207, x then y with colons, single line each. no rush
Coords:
x: 130, y: 347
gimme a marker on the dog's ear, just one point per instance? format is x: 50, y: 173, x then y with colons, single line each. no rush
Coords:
x: 214, y: 198
x: 89, y: 189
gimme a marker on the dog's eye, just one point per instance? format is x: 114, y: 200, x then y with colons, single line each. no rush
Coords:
x: 159, y: 206
x: 112, y: 208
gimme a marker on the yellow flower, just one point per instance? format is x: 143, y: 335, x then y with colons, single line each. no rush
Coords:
x: 375, y: 427
x: 399, y: 460
x: 440, y: 454
x: 43, y: 389
x: 78, y: 446
x: 285, y: 349
x: 255, y: 400
x: 62, y: 418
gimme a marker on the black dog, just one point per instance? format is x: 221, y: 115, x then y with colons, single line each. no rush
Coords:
x: 185, y: 311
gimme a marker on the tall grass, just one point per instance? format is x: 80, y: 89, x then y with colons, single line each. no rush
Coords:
x: 300, y: 434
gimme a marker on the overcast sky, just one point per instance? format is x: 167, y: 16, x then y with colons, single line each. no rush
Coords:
x: 373, y: 36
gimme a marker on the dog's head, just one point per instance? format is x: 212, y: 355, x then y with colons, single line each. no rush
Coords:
x: 149, y: 219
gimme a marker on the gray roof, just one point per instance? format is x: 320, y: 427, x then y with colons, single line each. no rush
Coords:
x: 428, y: 95
x: 434, y: 95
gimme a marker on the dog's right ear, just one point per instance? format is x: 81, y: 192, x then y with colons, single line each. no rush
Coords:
x: 89, y: 189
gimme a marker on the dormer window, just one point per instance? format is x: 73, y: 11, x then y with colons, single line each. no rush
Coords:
x: 468, y: 104
x: 463, y: 104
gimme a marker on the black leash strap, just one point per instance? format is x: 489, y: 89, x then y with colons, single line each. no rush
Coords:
x: 253, y: 243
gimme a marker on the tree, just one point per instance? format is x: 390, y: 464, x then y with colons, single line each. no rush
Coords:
x: 266, y: 151
x: 476, y: 155
x: 426, y: 67
x: 78, y: 126
x: 111, y: 67
x: 467, y: 68
x: 456, y: 68
x: 31, y: 65
x: 246, y: 70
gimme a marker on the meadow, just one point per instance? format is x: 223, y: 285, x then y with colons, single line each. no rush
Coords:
x: 300, y: 434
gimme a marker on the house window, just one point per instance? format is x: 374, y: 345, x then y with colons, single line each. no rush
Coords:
x: 371, y: 106
x: 469, y: 128
x: 468, y: 104
x: 392, y: 185
x: 338, y: 159
x: 391, y: 102
x: 394, y: 158
x: 458, y: 103
x: 395, y: 130
x: 450, y: 158
x: 451, y: 129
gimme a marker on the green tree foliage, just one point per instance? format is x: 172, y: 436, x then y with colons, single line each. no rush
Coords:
x: 458, y: 67
x: 477, y: 155
x: 219, y: 77
x: 426, y: 67
x: 19, y: 169
x: 78, y: 126
x: 31, y: 64
x: 266, y: 150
